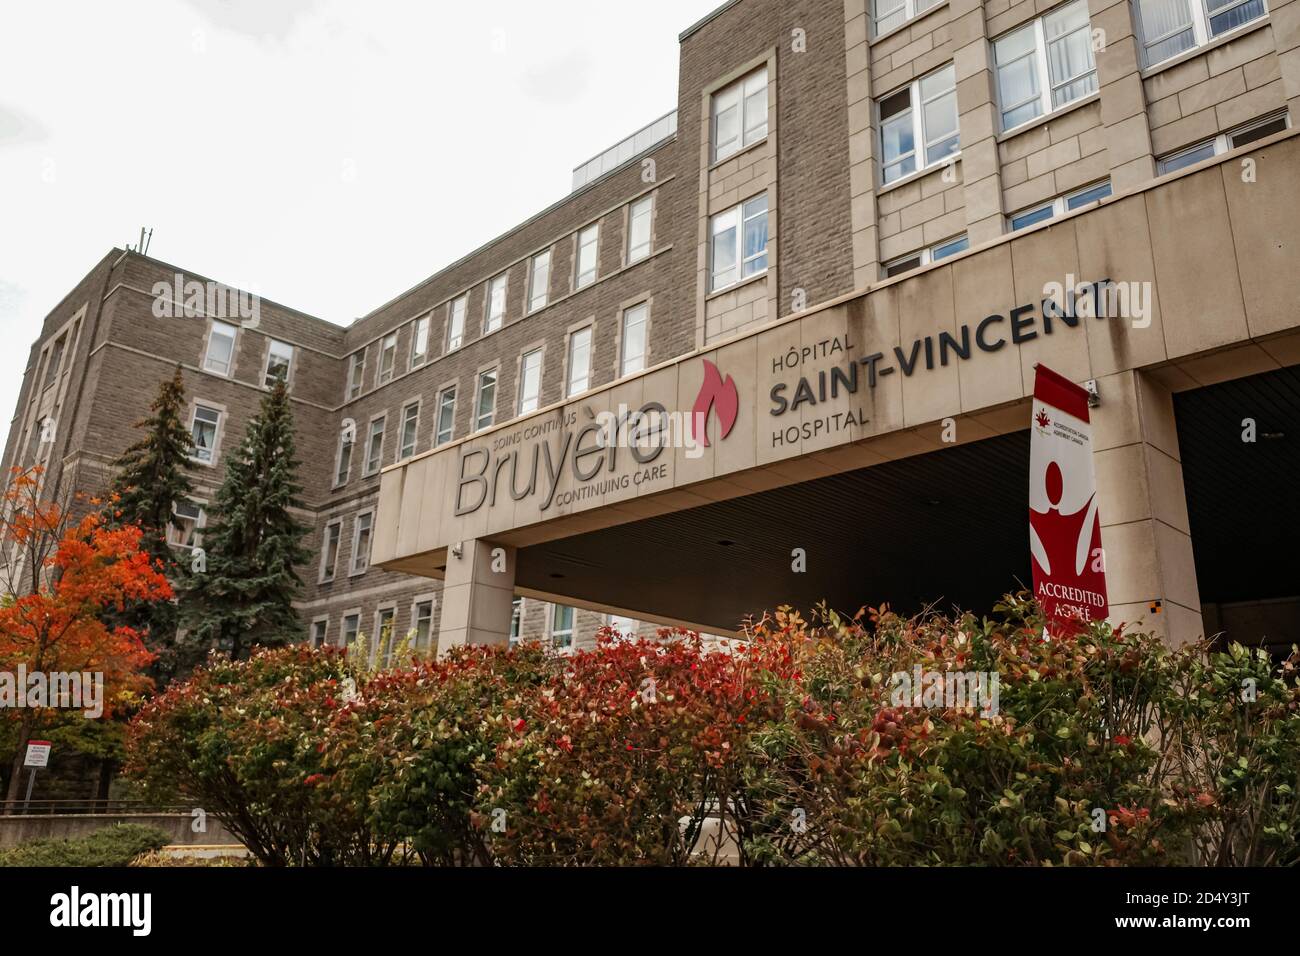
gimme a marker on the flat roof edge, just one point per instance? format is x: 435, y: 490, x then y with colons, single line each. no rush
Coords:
x: 685, y: 34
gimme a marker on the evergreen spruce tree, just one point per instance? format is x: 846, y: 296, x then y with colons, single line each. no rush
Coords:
x: 252, y: 542
x: 150, y: 480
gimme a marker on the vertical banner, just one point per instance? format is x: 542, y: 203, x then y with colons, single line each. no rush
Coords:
x: 1064, y: 526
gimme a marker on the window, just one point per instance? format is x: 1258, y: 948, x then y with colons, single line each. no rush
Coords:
x: 422, y: 624
x: 356, y: 373
x: 446, y: 424
x: 361, y: 543
x: 329, y: 554
x: 1060, y: 205
x: 539, y: 282
x: 634, y: 344
x: 1044, y: 65
x: 924, y: 113
x: 385, y: 618
x: 410, y: 426
x: 624, y: 627
x: 530, y: 381
x: 496, y: 304
x: 891, y: 13
x: 486, y: 407
x: 56, y: 360
x: 516, y: 620
x: 387, y: 358
x: 562, y: 626
x: 640, y: 221
x: 588, y: 249
x: 221, y: 348
x: 1167, y: 28
x: 926, y: 256
x: 203, y: 429
x: 740, y: 115
x: 420, y: 341
x: 1222, y: 143
x: 343, y: 466
x: 349, y: 630
x: 318, y: 632
x: 739, y: 243
x: 456, y: 323
x: 186, y: 525
x: 279, y: 359
x: 375, y: 446
x: 579, y: 362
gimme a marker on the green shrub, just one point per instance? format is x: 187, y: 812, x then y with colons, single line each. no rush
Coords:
x: 115, y: 845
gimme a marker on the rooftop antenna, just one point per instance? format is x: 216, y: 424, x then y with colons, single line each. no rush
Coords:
x: 143, y: 247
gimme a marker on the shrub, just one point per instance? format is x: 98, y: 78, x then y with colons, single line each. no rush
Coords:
x: 243, y: 739
x: 635, y: 752
x: 405, y: 753
x: 116, y: 845
x: 794, y: 747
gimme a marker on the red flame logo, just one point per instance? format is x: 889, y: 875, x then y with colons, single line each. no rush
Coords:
x: 715, y: 395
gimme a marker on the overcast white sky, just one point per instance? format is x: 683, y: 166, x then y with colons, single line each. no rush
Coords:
x: 326, y: 154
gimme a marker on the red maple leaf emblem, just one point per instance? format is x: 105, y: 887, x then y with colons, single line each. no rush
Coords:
x: 1042, y: 419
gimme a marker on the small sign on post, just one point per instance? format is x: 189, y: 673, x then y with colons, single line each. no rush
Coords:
x: 38, y: 755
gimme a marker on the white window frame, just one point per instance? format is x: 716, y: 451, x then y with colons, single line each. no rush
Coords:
x: 267, y: 380
x: 387, y: 359
x: 420, y: 328
x: 570, y: 632
x: 329, y: 569
x: 1200, y: 29
x: 1222, y: 143
x: 426, y: 645
x: 404, y: 450
x: 493, y: 320
x: 215, y: 450
x: 479, y: 423
x: 457, y: 309
x: 749, y: 129
x: 623, y: 357
x: 357, y: 373
x: 1042, y: 69
x: 529, y: 398
x: 324, y: 631
x: 437, y: 421
x: 200, y: 522
x: 389, y: 610
x: 516, y: 621
x: 588, y: 239
x: 224, y: 369
x: 911, y: 10
x: 351, y: 446
x: 1060, y: 205
x: 641, y: 210
x: 576, y: 384
x: 916, y: 115
x: 358, y: 567
x: 367, y: 468
x: 927, y: 256
x: 539, y: 270
x: 352, y: 614
x: 735, y: 219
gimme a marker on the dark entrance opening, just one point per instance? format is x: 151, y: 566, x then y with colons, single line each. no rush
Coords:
x: 948, y: 528
x: 1243, y: 502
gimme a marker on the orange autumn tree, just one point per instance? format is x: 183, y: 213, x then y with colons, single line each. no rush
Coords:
x: 63, y: 579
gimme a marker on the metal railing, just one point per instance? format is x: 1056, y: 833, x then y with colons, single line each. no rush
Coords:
x: 652, y: 134
x: 49, y: 807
